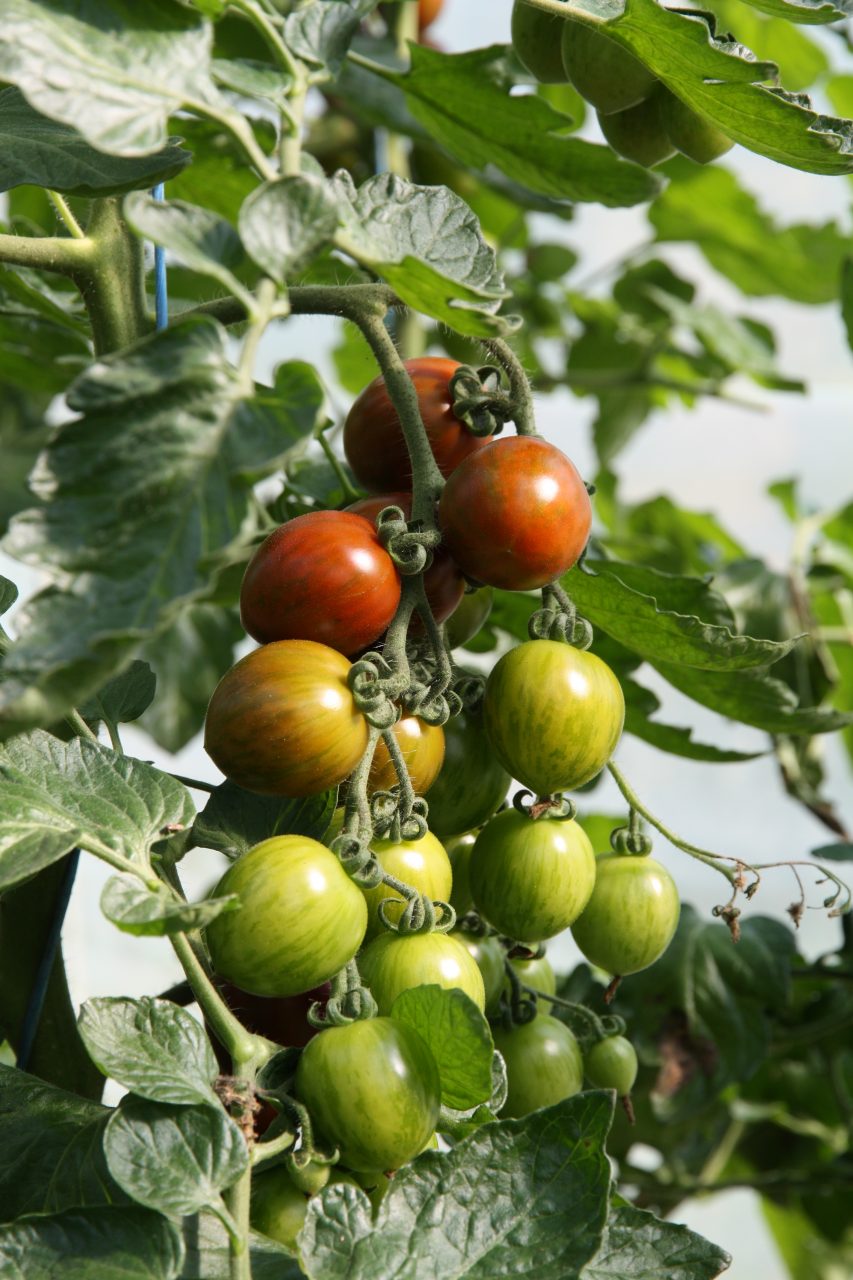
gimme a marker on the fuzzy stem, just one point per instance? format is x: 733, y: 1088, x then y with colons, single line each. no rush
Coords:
x: 522, y: 394
x: 62, y: 207
x: 242, y: 1046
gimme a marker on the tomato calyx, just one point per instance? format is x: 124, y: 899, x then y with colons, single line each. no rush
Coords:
x: 479, y: 400
x: 558, y: 806
x: 631, y: 841
x: 558, y: 619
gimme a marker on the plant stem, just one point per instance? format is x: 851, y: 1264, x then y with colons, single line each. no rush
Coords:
x: 520, y: 388
x: 243, y: 1047
x: 350, y: 493
x: 238, y: 1198
x: 46, y: 253
x: 347, y: 301
x: 264, y: 306
x: 62, y: 207
x: 113, y: 283
x: 291, y: 126
x: 81, y: 728
x: 195, y: 784
x: 261, y: 22
x: 239, y: 127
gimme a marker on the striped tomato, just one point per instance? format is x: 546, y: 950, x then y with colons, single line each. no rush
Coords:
x: 632, y: 915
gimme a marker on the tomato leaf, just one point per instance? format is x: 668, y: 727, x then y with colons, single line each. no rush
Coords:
x: 753, y: 697
x: 134, y: 909
x: 321, y: 32
x: 173, y: 1159
x: 636, y: 1243
x: 151, y: 1047
x: 173, y: 487
x: 459, y: 1038
x: 640, y: 705
x: 841, y: 851
x: 124, y: 698
x: 461, y: 106
x: 235, y: 820
x: 209, y: 1255
x: 809, y: 12
x: 60, y: 795
x: 285, y: 224
x: 515, y: 1196
x: 200, y: 239
x: 93, y: 1244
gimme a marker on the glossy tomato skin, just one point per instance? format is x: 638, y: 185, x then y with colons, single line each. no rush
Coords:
x: 423, y: 864
x: 422, y: 746
x: 283, y: 722
x: 323, y: 576
x: 543, y: 1064
x: 489, y: 955
x: 516, y: 514
x: 459, y: 852
x: 301, y: 920
x: 428, y: 11
x: 443, y: 581
x: 373, y: 439
x: 612, y: 1064
x: 553, y: 714
x: 538, y: 974
x: 278, y: 1207
x: 531, y: 879
x: 391, y: 964
x: 469, y: 616
x: 472, y: 782
x: 387, y: 1109
x: 632, y: 915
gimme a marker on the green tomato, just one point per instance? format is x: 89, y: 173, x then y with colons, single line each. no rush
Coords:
x: 373, y: 1091
x: 538, y: 974
x: 302, y: 918
x: 631, y: 917
x: 469, y: 615
x: 472, y: 782
x: 553, y: 715
x: 489, y: 956
x: 531, y: 879
x: 279, y: 1207
x: 459, y: 852
x: 543, y: 1064
x: 640, y: 133
x: 612, y: 1064
x: 604, y: 73
x: 392, y: 963
x: 536, y: 40
x: 693, y: 135
x: 423, y: 864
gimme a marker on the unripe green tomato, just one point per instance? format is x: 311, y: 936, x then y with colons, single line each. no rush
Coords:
x: 302, y: 918
x: 632, y: 915
x: 423, y: 864
x: 459, y: 852
x: 536, y: 40
x: 392, y: 963
x: 472, y: 782
x: 531, y: 879
x: 373, y: 1090
x: 693, y: 135
x: 604, y: 73
x: 612, y: 1064
x: 543, y: 1064
x: 538, y: 974
x: 311, y: 1177
x: 553, y: 715
x: 278, y: 1206
x: 468, y: 616
x: 489, y: 955
x: 640, y: 133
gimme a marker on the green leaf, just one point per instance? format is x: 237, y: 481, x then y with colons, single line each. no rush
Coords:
x: 35, y: 149
x: 51, y: 1155
x: 427, y: 244
x: 478, y: 122
x: 647, y: 612
x: 456, y: 1125
x: 706, y: 206
x: 172, y: 487
x: 251, y: 79
x: 641, y: 703
x: 58, y: 795
x: 124, y: 698
x: 638, y: 1245
x: 536, y: 1204
x: 92, y: 1244
x: 752, y: 697
x: 173, y: 1159
x: 812, y: 12
x: 459, y: 1038
x: 137, y: 910
x: 285, y: 224
x: 720, y: 80
x: 773, y: 39
x: 841, y: 851
x: 847, y: 299
x: 200, y: 239
x: 321, y: 33
x: 218, y: 178
x: 23, y: 435
x: 209, y: 1255
x: 234, y: 820
x: 151, y: 1047
x: 109, y: 70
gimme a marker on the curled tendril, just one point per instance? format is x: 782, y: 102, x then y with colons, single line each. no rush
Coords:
x: 420, y: 915
x: 479, y: 400
x: 357, y: 860
x: 469, y: 689
x: 367, y: 681
x: 551, y: 623
x: 409, y: 546
x: 434, y: 708
x: 613, y: 1025
x: 633, y: 843
x: 340, y: 1011
x: 558, y: 807
x: 386, y: 813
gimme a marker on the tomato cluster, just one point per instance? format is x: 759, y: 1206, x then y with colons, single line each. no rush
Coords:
x: 639, y: 116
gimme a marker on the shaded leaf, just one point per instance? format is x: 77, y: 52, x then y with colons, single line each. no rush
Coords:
x: 146, y: 913
x: 841, y: 851
x: 638, y: 1245
x: 284, y: 224
x: 92, y: 1244
x: 234, y: 820
x: 459, y: 1039
x: 321, y: 33
x: 124, y: 698
x: 209, y: 1256
x: 641, y: 703
x: 200, y: 239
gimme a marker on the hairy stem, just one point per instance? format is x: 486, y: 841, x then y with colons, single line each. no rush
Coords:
x: 520, y: 388
x: 62, y: 207
x: 243, y: 1047
x: 113, y: 283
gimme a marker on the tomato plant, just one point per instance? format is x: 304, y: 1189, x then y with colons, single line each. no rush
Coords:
x: 543, y: 1064
x: 515, y: 514
x: 301, y: 918
x: 279, y: 1208
x: 612, y: 1064
x: 472, y: 782
x: 423, y: 864
x: 323, y: 576
x: 553, y: 715
x: 283, y: 722
x: 389, y: 1108
x: 393, y: 963
x: 631, y: 916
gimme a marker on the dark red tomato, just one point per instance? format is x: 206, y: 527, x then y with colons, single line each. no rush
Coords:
x: 373, y: 439
x: 443, y: 580
x: 422, y: 746
x: 324, y: 576
x: 283, y: 722
x: 515, y: 515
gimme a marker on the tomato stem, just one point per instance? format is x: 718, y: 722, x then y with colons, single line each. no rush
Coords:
x: 522, y: 394
x: 243, y: 1047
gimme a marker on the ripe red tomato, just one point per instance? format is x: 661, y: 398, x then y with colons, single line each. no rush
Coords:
x: 428, y: 11
x: 392, y: 963
x: 531, y: 879
x: 553, y: 714
x: 283, y: 722
x: 422, y: 746
x: 543, y: 1064
x: 373, y: 439
x: 443, y: 582
x: 423, y: 864
x: 516, y: 514
x: 324, y: 576
x: 300, y: 921
x: 373, y: 1091
x: 632, y: 915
